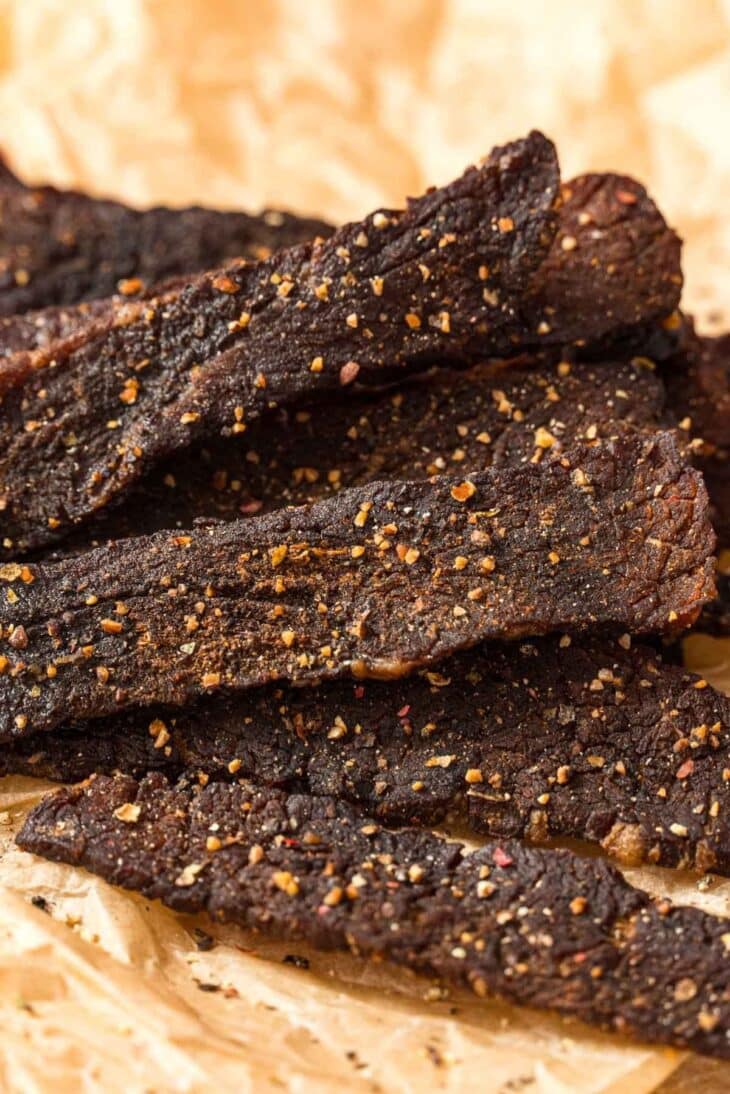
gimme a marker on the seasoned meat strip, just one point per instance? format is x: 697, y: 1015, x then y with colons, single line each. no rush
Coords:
x: 613, y: 268
x: 698, y: 389
x: 611, y: 278
x: 547, y: 928
x: 84, y: 419
x: 60, y: 247
x: 595, y: 740
x: 377, y: 580
x: 493, y: 414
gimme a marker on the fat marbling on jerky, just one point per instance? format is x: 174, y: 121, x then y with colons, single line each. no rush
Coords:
x: 446, y: 422
x: 375, y: 581
x: 597, y: 739
x: 84, y: 419
x: 60, y: 247
x: 547, y: 928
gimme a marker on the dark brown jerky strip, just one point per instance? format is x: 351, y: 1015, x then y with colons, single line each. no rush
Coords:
x: 612, y: 272
x: 715, y: 618
x: 614, y: 266
x: 450, y: 421
x: 545, y: 928
x: 698, y: 390
x: 37, y: 330
x: 375, y: 581
x: 62, y: 247
x: 716, y: 472
x: 593, y: 740
x: 82, y: 420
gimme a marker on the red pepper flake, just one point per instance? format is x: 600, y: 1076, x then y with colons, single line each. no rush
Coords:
x: 501, y: 858
x: 348, y: 372
x: 128, y: 286
x: 225, y: 284
x: 360, y: 692
x: 404, y: 710
x: 253, y: 506
x: 626, y: 197
x: 686, y: 769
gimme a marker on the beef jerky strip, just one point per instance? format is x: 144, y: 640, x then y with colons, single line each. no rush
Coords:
x: 61, y: 247
x: 599, y: 740
x: 698, y: 389
x: 83, y: 420
x: 716, y: 472
x: 546, y: 928
x: 715, y: 618
x: 446, y: 422
x: 612, y: 272
x: 698, y: 394
x: 375, y: 581
x: 34, y: 330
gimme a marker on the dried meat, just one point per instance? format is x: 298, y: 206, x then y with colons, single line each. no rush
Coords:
x: 61, y: 247
x: 596, y: 740
x: 377, y: 580
x: 611, y: 278
x: 448, y: 421
x: 546, y: 928
x: 613, y: 271
x: 698, y: 389
x: 82, y: 420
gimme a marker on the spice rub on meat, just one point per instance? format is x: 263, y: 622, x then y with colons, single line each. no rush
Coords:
x: 61, y: 247
x: 449, y: 421
x: 376, y: 581
x: 546, y: 928
x: 613, y: 271
x: 81, y: 421
x: 697, y: 379
x: 611, y: 278
x: 596, y: 739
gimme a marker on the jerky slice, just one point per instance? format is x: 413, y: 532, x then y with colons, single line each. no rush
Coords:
x: 450, y: 421
x: 595, y: 740
x: 541, y: 927
x: 82, y: 420
x: 715, y: 618
x: 613, y: 271
x: 698, y: 389
x: 698, y: 393
x: 61, y: 247
x: 375, y: 581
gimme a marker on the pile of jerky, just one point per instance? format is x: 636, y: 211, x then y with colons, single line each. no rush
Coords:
x: 370, y: 529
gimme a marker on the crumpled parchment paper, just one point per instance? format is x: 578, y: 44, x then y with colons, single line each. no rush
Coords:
x: 332, y: 108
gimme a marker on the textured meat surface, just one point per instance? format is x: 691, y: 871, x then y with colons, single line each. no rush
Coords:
x: 61, y: 247
x: 613, y: 268
x: 698, y: 389
x: 612, y: 272
x: 541, y: 927
x: 594, y: 740
x: 715, y: 618
x: 447, y: 422
x: 82, y: 420
x: 697, y: 379
x: 375, y: 581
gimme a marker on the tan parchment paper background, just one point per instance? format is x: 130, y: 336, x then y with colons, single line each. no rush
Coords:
x: 332, y: 107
